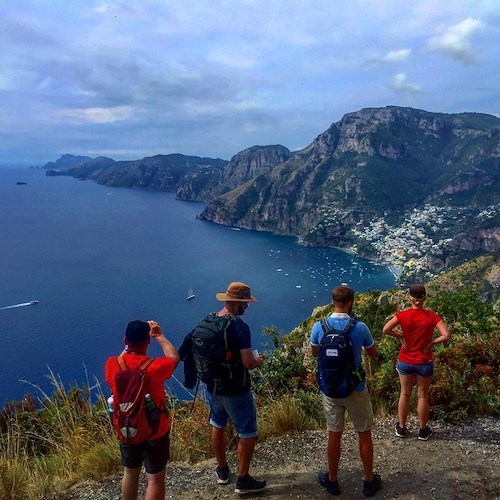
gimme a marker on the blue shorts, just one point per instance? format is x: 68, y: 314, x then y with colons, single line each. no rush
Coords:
x: 154, y: 454
x: 240, y: 408
x: 423, y: 370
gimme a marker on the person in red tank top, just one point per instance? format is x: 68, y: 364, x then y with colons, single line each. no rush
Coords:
x: 415, y: 361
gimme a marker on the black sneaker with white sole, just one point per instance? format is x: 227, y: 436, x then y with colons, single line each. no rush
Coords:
x: 247, y: 484
x: 400, y: 431
x: 222, y: 474
x: 424, y: 434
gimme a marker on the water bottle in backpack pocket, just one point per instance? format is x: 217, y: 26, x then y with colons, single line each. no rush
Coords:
x: 152, y: 411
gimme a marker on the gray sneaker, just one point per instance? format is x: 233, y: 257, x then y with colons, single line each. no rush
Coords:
x: 222, y: 474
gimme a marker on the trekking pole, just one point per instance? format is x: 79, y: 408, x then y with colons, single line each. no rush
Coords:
x: 194, y: 397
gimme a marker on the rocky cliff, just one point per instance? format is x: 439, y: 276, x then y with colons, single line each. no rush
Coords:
x: 159, y: 173
x: 374, y: 168
x: 190, y: 177
x: 242, y: 168
x: 405, y: 186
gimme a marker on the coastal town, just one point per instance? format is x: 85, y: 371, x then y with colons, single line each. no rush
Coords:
x: 424, y: 232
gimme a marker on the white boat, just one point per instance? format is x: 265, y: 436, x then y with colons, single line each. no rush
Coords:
x: 190, y: 294
x: 33, y: 302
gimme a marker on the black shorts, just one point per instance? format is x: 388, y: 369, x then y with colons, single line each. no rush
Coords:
x: 154, y: 454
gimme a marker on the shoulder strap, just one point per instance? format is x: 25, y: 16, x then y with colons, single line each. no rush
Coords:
x: 324, y: 324
x: 348, y: 327
x: 328, y: 329
x: 123, y: 365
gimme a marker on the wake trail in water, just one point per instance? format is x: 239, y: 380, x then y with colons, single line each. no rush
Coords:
x: 23, y: 304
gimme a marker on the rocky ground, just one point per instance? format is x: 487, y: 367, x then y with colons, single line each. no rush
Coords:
x: 457, y: 462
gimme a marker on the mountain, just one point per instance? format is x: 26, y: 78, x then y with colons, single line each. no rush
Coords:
x: 190, y: 177
x: 66, y: 161
x: 397, y: 184
x: 159, y: 173
x: 242, y: 167
x: 411, y: 188
x: 82, y: 169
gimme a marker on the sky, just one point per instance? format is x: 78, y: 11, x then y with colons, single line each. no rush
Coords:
x: 134, y: 78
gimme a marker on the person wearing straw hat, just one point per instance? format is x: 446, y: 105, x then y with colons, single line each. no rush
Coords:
x: 236, y: 402
x: 415, y: 360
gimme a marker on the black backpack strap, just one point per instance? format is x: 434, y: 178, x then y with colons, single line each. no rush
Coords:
x: 348, y: 327
x: 328, y: 329
x: 325, y: 325
x: 227, y: 328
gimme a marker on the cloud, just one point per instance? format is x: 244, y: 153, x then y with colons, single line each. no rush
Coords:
x: 455, y: 41
x: 401, y: 85
x: 97, y: 115
x: 397, y: 55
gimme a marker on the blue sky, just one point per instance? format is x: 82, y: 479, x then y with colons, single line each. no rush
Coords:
x: 129, y: 79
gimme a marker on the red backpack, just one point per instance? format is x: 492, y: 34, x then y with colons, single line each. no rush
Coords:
x: 135, y: 417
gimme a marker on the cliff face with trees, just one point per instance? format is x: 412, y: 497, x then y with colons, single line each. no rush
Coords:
x: 378, y: 173
x: 400, y: 185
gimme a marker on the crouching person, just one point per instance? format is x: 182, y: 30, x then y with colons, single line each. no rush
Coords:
x: 140, y: 415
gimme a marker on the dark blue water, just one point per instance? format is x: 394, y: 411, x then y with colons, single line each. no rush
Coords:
x: 96, y: 257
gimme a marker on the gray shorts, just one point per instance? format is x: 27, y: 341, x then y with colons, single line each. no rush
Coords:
x: 359, y: 407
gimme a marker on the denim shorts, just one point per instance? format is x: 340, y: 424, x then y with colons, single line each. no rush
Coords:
x: 423, y: 370
x: 240, y: 408
x: 154, y: 454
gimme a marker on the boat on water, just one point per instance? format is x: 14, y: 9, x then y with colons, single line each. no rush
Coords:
x: 33, y: 302
x: 190, y: 294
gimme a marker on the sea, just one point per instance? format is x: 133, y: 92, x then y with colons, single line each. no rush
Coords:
x: 95, y: 258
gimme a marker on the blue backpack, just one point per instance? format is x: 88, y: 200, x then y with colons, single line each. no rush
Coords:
x: 337, y: 374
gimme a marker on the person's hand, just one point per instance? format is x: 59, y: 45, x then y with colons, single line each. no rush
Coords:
x: 154, y: 329
x: 427, y: 348
x: 403, y: 345
x: 260, y: 360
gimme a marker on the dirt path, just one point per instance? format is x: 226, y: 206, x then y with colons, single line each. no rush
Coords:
x: 457, y: 462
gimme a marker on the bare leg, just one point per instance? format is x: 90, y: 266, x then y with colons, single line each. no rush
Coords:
x: 245, y: 452
x: 423, y: 384
x: 406, y: 382
x: 156, y: 486
x: 219, y: 445
x: 333, y: 454
x: 130, y: 483
x: 366, y: 453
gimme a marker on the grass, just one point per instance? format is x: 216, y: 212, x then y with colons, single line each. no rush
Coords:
x: 51, y: 443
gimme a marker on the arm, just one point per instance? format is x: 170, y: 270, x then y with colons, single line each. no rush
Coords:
x: 389, y: 328
x: 445, y: 334
x: 169, y: 351
x: 314, y: 350
x: 371, y: 351
x: 249, y: 360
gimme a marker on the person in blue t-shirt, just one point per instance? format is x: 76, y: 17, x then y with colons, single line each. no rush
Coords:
x: 357, y: 404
